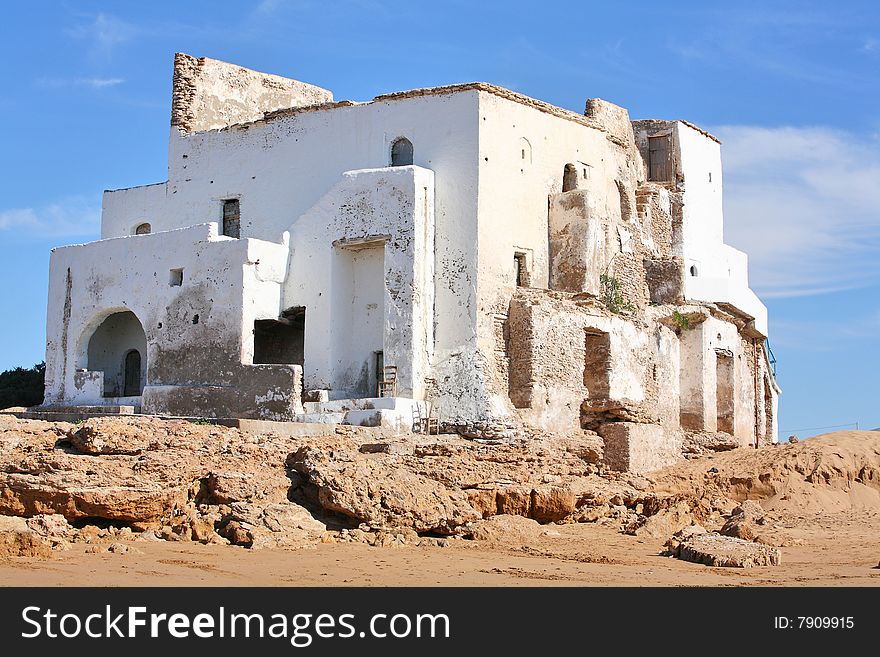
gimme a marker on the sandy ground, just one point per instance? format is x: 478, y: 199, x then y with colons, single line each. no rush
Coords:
x: 818, y: 550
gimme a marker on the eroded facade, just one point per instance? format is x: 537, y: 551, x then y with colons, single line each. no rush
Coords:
x: 525, y: 268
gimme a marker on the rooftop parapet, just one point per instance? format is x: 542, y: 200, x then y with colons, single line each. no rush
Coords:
x: 208, y: 94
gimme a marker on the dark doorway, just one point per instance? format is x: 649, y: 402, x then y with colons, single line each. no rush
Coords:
x: 282, y: 340
x: 132, y: 387
x: 232, y: 218
x: 569, y: 178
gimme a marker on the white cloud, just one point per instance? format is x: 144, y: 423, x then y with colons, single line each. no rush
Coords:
x: 72, y: 216
x: 804, y: 203
x: 103, y: 33
x: 93, y: 83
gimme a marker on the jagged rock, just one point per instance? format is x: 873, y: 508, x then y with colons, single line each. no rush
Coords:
x: 228, y: 487
x: 368, y: 489
x: 19, y: 540
x: 704, y: 442
x: 591, y: 513
x: 52, y: 526
x: 273, y: 525
x: 138, y: 470
x: 726, y: 551
x: 682, y: 535
x: 664, y: 523
x: 744, y: 520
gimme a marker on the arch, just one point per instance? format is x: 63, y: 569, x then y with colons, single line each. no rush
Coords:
x: 143, y: 229
x: 569, y: 178
x: 694, y: 271
x: 401, y: 152
x: 117, y: 347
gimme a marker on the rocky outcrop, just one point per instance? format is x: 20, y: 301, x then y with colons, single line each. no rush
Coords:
x: 179, y: 481
x: 369, y: 490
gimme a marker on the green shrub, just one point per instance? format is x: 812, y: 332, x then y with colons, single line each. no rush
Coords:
x: 22, y: 387
x: 612, y: 295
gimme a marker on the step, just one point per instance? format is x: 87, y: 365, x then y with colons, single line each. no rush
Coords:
x: 364, y: 404
x: 321, y: 418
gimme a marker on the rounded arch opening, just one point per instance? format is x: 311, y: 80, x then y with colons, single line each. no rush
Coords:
x: 525, y: 150
x: 143, y: 229
x: 401, y: 152
x: 118, y: 348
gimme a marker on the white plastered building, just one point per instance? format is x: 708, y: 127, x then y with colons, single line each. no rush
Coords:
x: 301, y: 244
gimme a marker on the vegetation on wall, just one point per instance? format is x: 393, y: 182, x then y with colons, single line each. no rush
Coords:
x: 613, y: 297
x: 22, y: 387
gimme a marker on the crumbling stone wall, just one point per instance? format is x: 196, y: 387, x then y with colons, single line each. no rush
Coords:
x: 208, y: 94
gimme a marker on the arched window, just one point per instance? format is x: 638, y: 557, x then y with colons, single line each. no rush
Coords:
x: 569, y: 178
x: 401, y: 152
x: 143, y: 229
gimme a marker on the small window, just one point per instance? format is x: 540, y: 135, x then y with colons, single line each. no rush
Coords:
x: 569, y: 178
x: 143, y: 229
x: 659, y: 168
x: 175, y: 279
x: 401, y: 152
x: 232, y: 218
x: 521, y: 269
x: 693, y: 270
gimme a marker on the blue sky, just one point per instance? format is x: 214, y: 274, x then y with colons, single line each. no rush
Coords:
x: 791, y: 88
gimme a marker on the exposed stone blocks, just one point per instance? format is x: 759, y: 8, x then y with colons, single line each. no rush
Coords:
x: 665, y: 280
x: 639, y: 447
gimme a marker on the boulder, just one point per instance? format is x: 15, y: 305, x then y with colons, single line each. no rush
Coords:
x: 744, y: 521
x: 664, y: 523
x: 506, y: 529
x: 551, y: 503
x: 19, y: 540
x: 273, y: 525
x: 514, y: 500
x: 368, y: 489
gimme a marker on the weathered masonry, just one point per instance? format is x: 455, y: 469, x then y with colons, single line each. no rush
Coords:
x: 524, y: 268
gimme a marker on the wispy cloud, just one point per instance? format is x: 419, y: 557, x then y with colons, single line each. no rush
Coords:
x: 871, y: 46
x: 72, y: 216
x: 103, y: 33
x: 804, y: 203
x: 93, y: 83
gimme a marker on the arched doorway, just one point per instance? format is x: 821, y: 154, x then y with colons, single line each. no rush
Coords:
x: 132, y: 374
x: 118, y: 348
